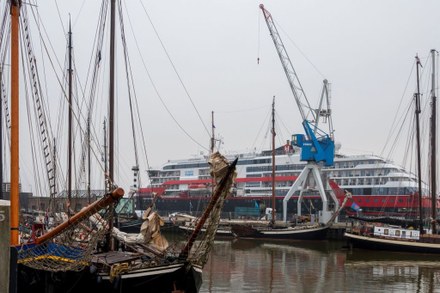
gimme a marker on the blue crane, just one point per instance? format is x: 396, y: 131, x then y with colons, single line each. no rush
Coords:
x: 317, y: 146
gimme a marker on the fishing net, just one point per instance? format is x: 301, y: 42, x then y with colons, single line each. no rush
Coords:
x: 70, y: 245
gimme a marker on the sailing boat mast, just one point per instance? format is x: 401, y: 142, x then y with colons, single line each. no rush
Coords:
x: 419, y: 168
x: 14, y: 195
x: 212, y: 130
x: 433, y: 148
x: 212, y: 148
x: 273, y: 161
x: 88, y: 162
x: 69, y: 143
x: 112, y: 91
x: 1, y: 132
x: 111, y: 241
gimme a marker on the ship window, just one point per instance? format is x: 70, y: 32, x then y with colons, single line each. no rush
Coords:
x: 398, y: 233
x: 385, y: 231
x: 189, y: 173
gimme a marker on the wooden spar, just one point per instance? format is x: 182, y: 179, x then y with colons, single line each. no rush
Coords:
x: 220, y: 187
x: 86, y: 212
x: 15, y: 192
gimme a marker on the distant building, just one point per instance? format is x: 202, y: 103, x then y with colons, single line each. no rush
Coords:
x: 6, y: 187
x: 79, y: 200
x: 24, y: 196
x: 30, y: 203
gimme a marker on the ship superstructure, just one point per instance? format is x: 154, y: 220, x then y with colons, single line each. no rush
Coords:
x: 377, y: 184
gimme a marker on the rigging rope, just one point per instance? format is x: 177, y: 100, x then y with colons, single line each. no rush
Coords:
x: 129, y: 81
x: 181, y: 82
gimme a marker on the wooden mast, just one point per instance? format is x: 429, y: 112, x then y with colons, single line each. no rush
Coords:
x: 15, y: 177
x: 1, y: 132
x: 212, y: 130
x: 419, y: 169
x: 212, y: 149
x: 69, y: 142
x: 112, y: 91
x: 273, y: 162
x: 111, y: 242
x: 433, y: 148
x: 88, y: 161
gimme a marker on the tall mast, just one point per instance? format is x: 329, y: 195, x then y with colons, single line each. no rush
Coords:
x: 213, y: 134
x: 419, y: 168
x: 111, y: 242
x: 433, y: 148
x: 1, y: 131
x: 14, y: 195
x: 112, y: 91
x: 69, y: 143
x: 88, y: 160
x: 273, y: 161
x: 105, y: 158
x: 52, y: 208
x: 212, y: 148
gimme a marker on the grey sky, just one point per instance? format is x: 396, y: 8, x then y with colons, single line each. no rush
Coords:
x: 365, y: 49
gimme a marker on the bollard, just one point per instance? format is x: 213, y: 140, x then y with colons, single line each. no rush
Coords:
x: 5, y: 245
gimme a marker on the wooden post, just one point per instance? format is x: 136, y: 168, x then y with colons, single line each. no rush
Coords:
x: 4, y: 245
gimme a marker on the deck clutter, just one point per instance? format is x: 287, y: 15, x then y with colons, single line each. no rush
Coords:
x: 74, y: 255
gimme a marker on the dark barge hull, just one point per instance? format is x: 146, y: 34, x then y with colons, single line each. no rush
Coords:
x: 373, y: 243
x: 246, y: 231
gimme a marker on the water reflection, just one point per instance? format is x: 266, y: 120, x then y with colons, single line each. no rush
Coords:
x: 396, y: 271
x: 256, y: 266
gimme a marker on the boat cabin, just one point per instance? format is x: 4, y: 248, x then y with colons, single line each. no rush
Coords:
x: 396, y: 232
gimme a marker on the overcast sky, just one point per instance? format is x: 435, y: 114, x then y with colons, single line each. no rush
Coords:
x: 365, y: 49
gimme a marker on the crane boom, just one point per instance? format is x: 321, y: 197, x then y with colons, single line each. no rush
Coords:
x: 316, y: 145
x: 292, y: 77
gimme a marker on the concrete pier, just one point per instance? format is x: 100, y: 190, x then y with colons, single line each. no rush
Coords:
x: 336, y: 231
x: 5, y: 244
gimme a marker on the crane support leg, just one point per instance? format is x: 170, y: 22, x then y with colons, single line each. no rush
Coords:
x: 300, y: 184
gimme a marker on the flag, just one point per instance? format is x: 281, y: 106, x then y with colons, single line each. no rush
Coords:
x: 355, y: 207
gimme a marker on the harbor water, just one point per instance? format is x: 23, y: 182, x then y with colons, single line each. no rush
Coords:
x: 315, y: 266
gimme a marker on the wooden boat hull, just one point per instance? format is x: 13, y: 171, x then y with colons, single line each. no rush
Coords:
x: 220, y: 233
x: 312, y: 233
x: 165, y: 278
x: 374, y: 243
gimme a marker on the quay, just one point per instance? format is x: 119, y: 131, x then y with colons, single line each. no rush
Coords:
x: 336, y: 231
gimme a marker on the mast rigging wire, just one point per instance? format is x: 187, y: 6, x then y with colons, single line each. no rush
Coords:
x: 174, y: 68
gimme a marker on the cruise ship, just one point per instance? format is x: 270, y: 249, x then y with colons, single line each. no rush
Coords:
x: 378, y: 186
